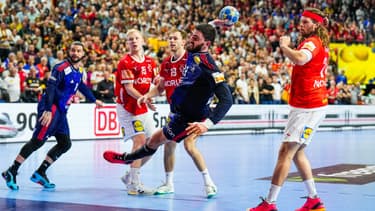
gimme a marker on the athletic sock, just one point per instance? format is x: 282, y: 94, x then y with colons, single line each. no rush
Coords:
x: 311, y: 189
x: 43, y: 167
x: 273, y: 193
x: 206, y: 177
x: 140, y: 153
x: 14, y: 168
x: 134, y: 174
x: 169, y: 178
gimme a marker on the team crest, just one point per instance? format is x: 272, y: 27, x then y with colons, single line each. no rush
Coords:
x: 197, y: 60
x: 138, y: 126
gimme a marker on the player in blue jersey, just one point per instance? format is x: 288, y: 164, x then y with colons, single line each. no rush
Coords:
x: 191, y: 114
x: 62, y: 85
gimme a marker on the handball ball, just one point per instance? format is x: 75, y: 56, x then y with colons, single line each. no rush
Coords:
x: 230, y: 14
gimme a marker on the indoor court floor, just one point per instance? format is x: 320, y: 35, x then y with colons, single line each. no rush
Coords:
x: 239, y: 164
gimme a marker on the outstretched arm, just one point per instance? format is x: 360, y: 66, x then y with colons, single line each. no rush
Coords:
x: 224, y: 95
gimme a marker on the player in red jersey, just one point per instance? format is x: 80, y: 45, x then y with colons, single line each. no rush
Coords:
x: 308, y: 101
x: 171, y: 71
x: 135, y: 73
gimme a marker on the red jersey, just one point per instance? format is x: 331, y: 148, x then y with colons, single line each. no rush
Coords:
x: 308, y: 88
x: 140, y: 74
x: 172, y: 71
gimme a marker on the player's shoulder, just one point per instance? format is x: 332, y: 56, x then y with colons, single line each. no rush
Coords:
x: 62, y: 66
x: 311, y: 43
x: 166, y: 60
x: 149, y: 59
x: 206, y: 60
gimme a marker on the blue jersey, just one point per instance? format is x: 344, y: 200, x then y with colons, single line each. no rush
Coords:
x: 201, y: 80
x: 63, y: 83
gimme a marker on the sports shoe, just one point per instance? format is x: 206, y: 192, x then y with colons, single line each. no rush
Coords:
x: 164, y: 189
x: 312, y: 205
x: 139, y: 189
x: 42, y: 180
x: 126, y: 179
x: 264, y: 206
x: 115, y: 157
x: 211, y: 191
x: 10, y: 179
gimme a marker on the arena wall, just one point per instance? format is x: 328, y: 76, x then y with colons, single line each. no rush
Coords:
x: 88, y: 122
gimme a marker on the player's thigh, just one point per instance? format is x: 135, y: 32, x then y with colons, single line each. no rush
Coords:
x: 302, y: 125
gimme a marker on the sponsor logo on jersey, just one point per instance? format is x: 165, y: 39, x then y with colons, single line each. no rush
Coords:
x: 309, y: 46
x: 319, y: 83
x: 172, y: 83
x: 218, y: 77
x: 142, y: 81
x: 67, y: 70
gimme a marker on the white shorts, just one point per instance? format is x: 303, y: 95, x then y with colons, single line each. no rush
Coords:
x: 132, y: 125
x: 302, y: 124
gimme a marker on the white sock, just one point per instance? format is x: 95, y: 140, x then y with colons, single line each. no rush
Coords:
x: 134, y: 175
x: 206, y: 178
x: 169, y: 178
x: 311, y: 189
x: 273, y: 193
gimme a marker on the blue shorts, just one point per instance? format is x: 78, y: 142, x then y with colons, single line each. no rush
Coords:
x: 58, y: 125
x: 175, y: 129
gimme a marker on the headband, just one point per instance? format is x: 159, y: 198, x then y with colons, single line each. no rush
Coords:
x: 313, y: 16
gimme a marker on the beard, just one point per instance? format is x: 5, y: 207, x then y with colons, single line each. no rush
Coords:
x: 194, y: 49
x: 75, y: 61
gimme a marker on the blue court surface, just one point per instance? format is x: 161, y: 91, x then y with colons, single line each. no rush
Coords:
x: 344, y: 164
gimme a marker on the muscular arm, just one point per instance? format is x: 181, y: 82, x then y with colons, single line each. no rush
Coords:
x: 132, y: 91
x: 156, y: 90
x: 299, y: 57
x: 224, y: 95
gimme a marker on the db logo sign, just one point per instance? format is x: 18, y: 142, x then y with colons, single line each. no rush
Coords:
x: 105, y: 121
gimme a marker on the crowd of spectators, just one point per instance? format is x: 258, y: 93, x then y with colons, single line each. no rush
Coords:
x: 34, y: 35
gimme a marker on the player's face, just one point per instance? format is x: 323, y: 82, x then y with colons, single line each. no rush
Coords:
x: 175, y: 41
x: 306, y: 26
x: 196, y: 42
x: 134, y: 41
x: 76, y: 53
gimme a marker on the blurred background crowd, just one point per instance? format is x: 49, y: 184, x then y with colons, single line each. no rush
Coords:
x: 34, y: 35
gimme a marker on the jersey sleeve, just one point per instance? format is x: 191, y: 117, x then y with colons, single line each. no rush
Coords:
x: 57, y: 76
x: 125, y: 74
x: 86, y: 92
x: 311, y: 45
x: 155, y: 69
x: 224, y: 96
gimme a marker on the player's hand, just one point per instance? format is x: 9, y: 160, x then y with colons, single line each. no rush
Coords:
x: 284, y: 41
x: 197, y: 128
x: 142, y: 99
x: 99, y: 103
x: 46, y: 118
x: 148, y: 101
x: 151, y: 105
x: 223, y: 24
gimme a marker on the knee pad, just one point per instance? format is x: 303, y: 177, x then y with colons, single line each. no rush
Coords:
x: 63, y: 145
x: 30, y: 147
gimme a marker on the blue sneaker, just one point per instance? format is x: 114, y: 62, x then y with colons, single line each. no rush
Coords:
x: 42, y: 180
x: 10, y: 180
